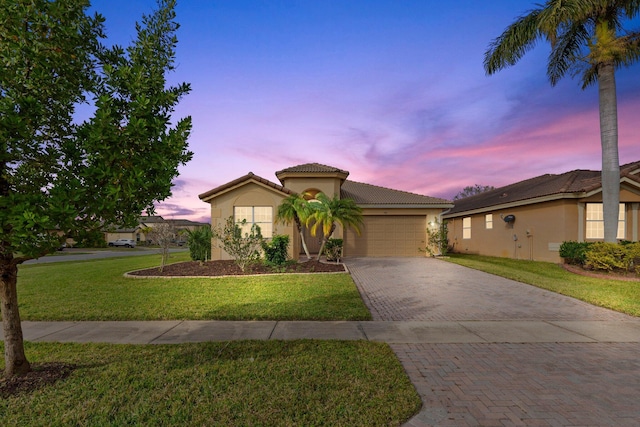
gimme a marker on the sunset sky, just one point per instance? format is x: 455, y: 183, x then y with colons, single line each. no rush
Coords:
x: 392, y: 91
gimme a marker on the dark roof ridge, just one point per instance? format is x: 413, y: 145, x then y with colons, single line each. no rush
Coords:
x: 314, y: 165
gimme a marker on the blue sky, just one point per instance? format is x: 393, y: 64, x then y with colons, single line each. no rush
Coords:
x: 392, y: 91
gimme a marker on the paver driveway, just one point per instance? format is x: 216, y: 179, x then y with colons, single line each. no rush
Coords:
x: 480, y: 384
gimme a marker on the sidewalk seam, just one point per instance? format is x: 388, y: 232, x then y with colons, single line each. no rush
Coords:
x: 165, y: 332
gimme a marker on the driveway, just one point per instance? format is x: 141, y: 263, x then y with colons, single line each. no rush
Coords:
x: 501, y: 384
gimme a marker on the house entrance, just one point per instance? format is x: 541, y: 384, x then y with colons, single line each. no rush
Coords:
x: 313, y: 243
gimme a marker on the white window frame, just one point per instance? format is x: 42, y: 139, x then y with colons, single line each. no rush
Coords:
x: 594, y: 221
x: 259, y: 215
x: 488, y: 221
x: 466, y: 228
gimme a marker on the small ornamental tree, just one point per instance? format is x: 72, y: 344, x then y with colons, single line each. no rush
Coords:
x: 244, y: 249
x: 163, y: 234
x: 59, y: 174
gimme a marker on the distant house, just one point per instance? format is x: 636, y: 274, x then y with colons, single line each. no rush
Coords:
x: 395, y: 222
x: 530, y: 219
x: 146, y: 222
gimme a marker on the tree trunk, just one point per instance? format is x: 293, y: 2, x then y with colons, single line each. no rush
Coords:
x: 609, y: 141
x: 16, y: 362
x: 325, y: 239
x: 304, y: 243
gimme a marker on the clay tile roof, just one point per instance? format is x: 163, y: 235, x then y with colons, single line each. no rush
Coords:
x: 573, y: 182
x: 367, y: 194
x: 312, y: 168
x: 247, y: 177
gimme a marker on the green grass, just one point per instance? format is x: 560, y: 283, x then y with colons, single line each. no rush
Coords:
x: 97, y: 290
x: 619, y: 295
x: 271, y: 383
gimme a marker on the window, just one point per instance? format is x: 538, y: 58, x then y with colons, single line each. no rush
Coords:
x: 262, y: 216
x: 595, y: 221
x: 488, y: 221
x: 466, y: 228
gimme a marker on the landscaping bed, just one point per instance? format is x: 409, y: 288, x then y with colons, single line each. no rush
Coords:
x: 230, y: 268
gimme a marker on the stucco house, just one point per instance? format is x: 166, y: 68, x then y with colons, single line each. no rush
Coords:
x: 395, y: 222
x: 530, y: 219
x: 137, y: 233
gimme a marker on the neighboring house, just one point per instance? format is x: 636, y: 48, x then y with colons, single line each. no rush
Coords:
x: 530, y: 219
x: 395, y: 222
x: 145, y: 222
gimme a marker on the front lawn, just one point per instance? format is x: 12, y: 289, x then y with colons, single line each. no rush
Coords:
x: 274, y: 383
x: 619, y: 295
x: 97, y: 290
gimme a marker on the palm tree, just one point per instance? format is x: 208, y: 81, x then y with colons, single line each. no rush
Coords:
x: 295, y: 209
x: 327, y: 213
x: 587, y: 37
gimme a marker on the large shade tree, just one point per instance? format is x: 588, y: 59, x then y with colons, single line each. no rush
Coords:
x: 295, y: 209
x: 327, y: 213
x: 60, y: 175
x: 589, y: 39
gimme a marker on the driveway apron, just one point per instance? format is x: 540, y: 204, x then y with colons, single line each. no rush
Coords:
x: 501, y: 384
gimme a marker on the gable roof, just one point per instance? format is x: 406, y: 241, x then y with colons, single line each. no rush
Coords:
x: 236, y: 182
x: 367, y: 194
x: 576, y: 183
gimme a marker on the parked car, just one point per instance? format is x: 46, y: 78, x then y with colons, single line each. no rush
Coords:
x: 127, y: 243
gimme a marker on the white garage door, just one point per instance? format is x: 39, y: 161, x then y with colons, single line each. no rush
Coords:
x: 382, y: 236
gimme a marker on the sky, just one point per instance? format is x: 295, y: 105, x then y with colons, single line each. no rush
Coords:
x: 392, y: 91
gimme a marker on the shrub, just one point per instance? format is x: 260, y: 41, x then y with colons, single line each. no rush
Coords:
x: 606, y: 256
x: 574, y: 252
x: 243, y: 249
x: 438, y: 239
x: 333, y: 249
x: 275, y: 251
x: 199, y: 241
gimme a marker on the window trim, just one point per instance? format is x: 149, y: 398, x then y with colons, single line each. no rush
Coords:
x: 466, y: 228
x: 622, y: 222
x: 488, y: 221
x: 251, y: 221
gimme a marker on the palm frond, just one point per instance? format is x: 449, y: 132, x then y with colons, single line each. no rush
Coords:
x: 518, y: 39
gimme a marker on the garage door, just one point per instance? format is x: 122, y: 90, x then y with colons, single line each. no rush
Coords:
x: 388, y: 236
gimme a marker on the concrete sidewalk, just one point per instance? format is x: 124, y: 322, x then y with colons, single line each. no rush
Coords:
x: 392, y: 332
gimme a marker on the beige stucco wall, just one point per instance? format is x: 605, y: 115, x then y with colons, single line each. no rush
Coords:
x: 329, y: 186
x: 538, y: 230
x: 536, y: 233
x: 250, y: 194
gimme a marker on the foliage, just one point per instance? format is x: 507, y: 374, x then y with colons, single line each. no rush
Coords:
x: 614, y: 257
x: 199, y: 241
x: 238, y: 383
x: 326, y: 213
x: 243, y: 249
x: 469, y: 191
x: 619, y: 295
x: 98, y: 290
x: 295, y: 208
x: 89, y: 239
x: 163, y: 234
x: 574, y: 252
x: 333, y: 249
x: 275, y: 251
x: 59, y: 174
x: 438, y: 238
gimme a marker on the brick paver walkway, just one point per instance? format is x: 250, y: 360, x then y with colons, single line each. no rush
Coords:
x: 529, y: 384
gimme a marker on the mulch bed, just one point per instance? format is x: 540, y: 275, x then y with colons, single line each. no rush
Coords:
x: 229, y: 268
x: 614, y: 275
x: 43, y: 374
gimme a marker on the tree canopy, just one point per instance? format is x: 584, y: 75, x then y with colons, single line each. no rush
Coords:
x: 60, y: 176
